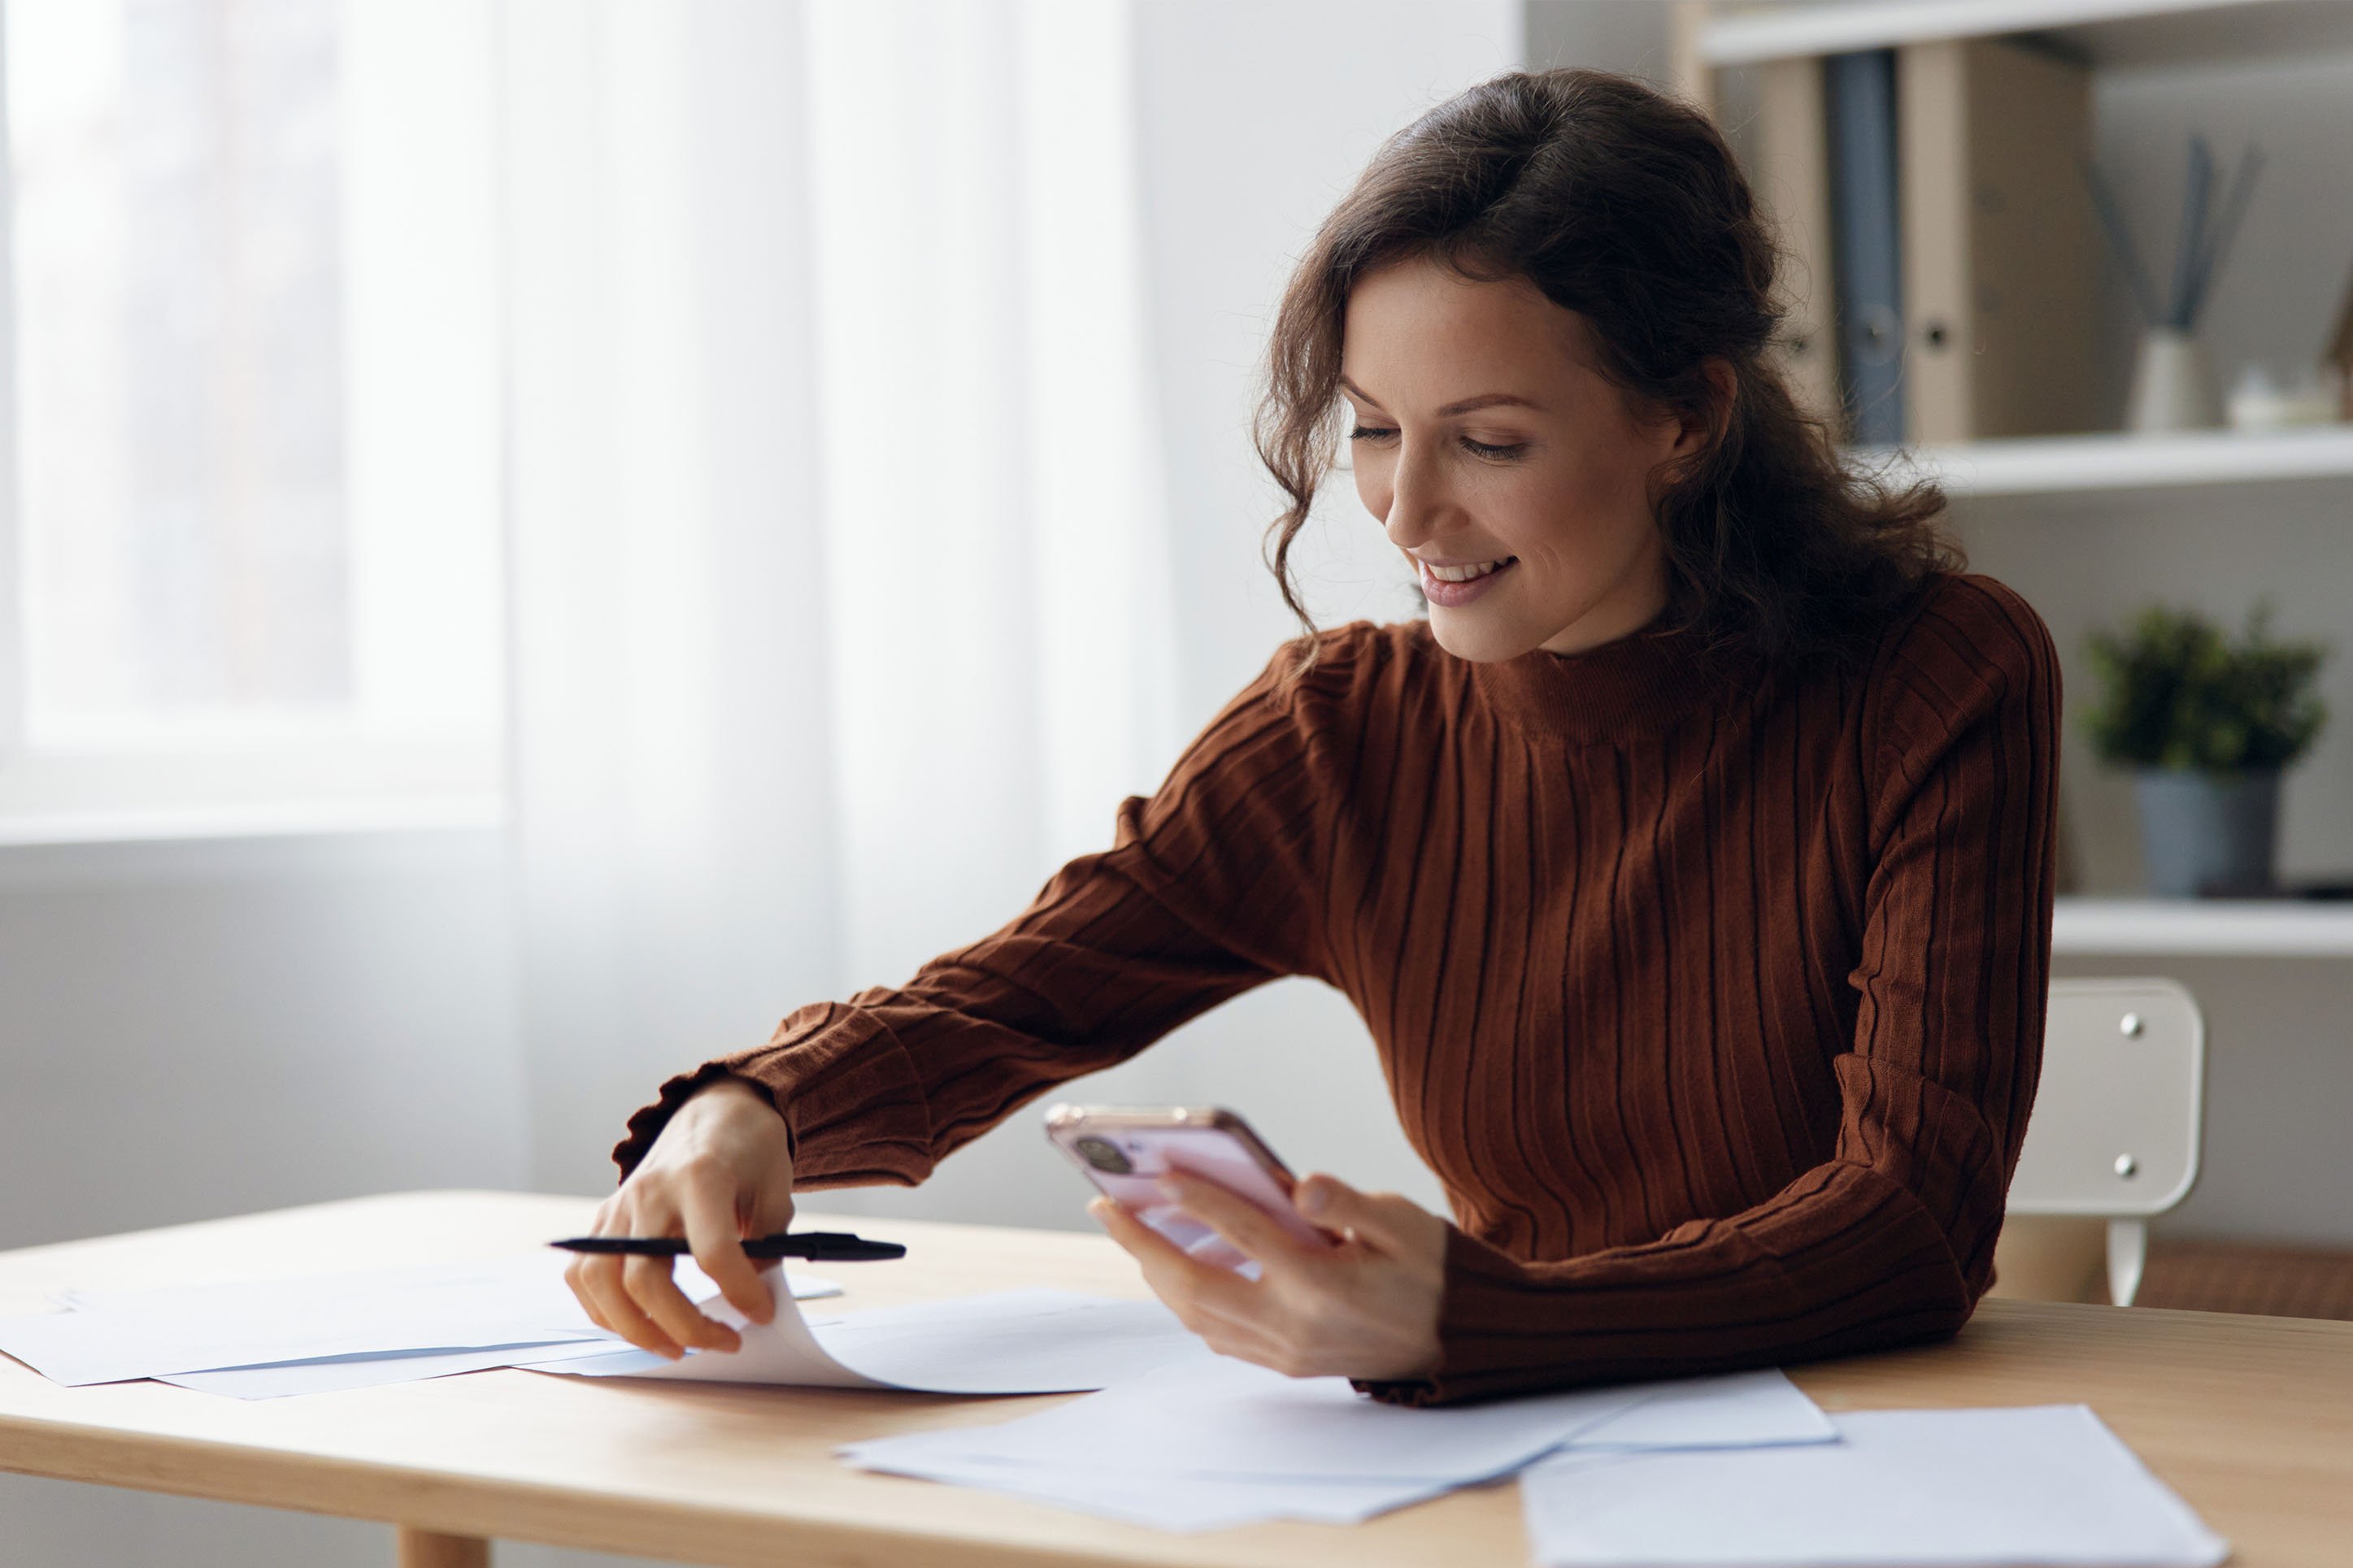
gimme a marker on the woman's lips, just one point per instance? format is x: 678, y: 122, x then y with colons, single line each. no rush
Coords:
x: 1454, y: 595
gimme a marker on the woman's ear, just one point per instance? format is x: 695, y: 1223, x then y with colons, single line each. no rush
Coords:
x: 1699, y: 429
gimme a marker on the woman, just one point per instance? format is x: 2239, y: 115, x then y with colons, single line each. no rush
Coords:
x: 1691, y: 865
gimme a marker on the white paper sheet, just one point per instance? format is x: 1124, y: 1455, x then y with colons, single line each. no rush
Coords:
x: 1186, y: 1504
x: 490, y: 1301
x: 107, y: 1336
x: 698, y: 1287
x: 330, y: 1373
x: 1316, y: 1460
x: 1903, y: 1488
x: 1218, y: 1417
x: 1012, y: 1341
x: 282, y: 1380
x: 1735, y: 1410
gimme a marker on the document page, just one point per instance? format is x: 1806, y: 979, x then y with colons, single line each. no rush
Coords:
x: 1216, y: 1442
x: 1183, y: 1503
x: 268, y: 1338
x: 1219, y: 1416
x: 1901, y: 1489
x: 109, y: 1336
x: 1012, y: 1341
x: 327, y: 1374
x: 1759, y: 1409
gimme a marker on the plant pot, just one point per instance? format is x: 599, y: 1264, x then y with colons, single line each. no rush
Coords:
x: 2208, y: 833
x: 2173, y: 384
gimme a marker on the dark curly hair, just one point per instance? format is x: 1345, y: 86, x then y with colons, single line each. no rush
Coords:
x: 1626, y: 205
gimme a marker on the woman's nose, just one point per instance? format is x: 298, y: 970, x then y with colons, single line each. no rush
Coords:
x: 1417, y: 502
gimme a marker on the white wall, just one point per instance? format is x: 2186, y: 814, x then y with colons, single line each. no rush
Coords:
x: 196, y: 1029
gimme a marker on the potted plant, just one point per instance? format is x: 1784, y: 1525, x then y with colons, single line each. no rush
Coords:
x: 2207, y: 725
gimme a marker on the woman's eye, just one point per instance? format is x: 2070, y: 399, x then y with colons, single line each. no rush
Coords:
x: 1478, y: 448
x: 1484, y: 450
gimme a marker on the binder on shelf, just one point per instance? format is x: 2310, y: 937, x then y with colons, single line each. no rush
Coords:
x: 1792, y: 182
x: 1868, y: 250
x: 2000, y: 262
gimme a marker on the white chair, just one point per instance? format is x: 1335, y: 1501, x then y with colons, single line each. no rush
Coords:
x: 2118, y: 1114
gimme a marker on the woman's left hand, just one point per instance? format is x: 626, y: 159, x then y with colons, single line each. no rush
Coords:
x: 1367, y: 1307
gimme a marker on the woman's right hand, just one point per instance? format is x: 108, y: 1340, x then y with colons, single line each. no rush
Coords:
x: 721, y: 1170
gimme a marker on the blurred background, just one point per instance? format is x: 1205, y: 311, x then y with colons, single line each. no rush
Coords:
x: 540, y: 535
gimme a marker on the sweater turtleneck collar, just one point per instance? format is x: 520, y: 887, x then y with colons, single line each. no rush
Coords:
x: 1632, y: 684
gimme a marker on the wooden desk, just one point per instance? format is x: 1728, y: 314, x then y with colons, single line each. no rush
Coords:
x: 2250, y: 1418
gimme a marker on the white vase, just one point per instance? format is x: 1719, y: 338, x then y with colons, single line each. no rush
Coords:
x: 2173, y: 384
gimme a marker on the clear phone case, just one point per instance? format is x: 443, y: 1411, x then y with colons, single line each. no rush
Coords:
x: 1127, y: 1151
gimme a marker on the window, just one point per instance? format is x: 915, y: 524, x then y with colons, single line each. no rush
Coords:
x: 251, y: 416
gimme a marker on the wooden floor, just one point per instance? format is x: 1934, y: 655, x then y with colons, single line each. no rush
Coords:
x: 2238, y: 1277
x: 2052, y: 1257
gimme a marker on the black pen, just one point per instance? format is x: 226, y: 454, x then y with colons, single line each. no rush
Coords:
x: 818, y: 1246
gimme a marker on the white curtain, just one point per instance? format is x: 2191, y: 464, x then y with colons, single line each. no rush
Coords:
x: 992, y: 487
x: 845, y: 604
x: 840, y: 605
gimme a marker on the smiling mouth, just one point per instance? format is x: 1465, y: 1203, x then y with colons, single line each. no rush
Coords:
x: 1466, y: 574
x: 1457, y: 587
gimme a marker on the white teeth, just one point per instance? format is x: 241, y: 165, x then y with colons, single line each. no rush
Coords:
x: 1460, y: 574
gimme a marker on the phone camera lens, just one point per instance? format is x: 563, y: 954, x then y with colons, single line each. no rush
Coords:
x: 1104, y: 1156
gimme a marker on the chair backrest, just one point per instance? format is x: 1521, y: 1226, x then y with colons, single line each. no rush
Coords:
x: 2120, y: 1109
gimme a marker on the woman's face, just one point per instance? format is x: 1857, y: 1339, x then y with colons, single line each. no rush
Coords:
x: 1487, y: 444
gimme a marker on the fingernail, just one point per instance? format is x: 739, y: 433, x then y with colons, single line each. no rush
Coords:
x: 1170, y: 1188
x: 1314, y: 1198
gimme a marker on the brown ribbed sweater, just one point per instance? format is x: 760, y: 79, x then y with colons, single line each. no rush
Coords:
x: 1717, y: 1010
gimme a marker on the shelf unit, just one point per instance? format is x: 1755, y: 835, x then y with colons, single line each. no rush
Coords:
x: 2106, y: 32
x: 2052, y: 474
x: 2216, y: 928
x: 2054, y: 465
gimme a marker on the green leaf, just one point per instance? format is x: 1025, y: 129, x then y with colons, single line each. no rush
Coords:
x: 2176, y: 693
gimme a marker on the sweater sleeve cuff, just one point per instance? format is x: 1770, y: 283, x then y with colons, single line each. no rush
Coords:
x: 1507, y: 1327
x: 1472, y: 1363
x: 1504, y: 1329
x: 646, y: 1123
x: 854, y: 1111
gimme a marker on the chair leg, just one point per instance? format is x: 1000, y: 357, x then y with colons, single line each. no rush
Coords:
x: 431, y: 1549
x: 2127, y: 1252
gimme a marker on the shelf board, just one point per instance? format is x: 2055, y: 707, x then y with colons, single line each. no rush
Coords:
x: 2203, y: 927
x: 2106, y: 32
x: 2051, y: 465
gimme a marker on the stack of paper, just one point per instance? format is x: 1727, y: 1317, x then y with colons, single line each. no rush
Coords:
x: 263, y: 1338
x: 268, y: 1338
x: 1941, y: 1489
x: 1211, y: 1442
x: 1013, y: 1341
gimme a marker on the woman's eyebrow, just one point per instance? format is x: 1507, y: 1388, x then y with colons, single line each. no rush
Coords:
x: 1484, y: 400
x: 1493, y: 400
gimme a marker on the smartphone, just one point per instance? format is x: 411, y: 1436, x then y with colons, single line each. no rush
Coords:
x: 1127, y: 1151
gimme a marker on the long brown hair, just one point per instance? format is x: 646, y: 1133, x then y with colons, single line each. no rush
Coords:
x: 1626, y: 205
